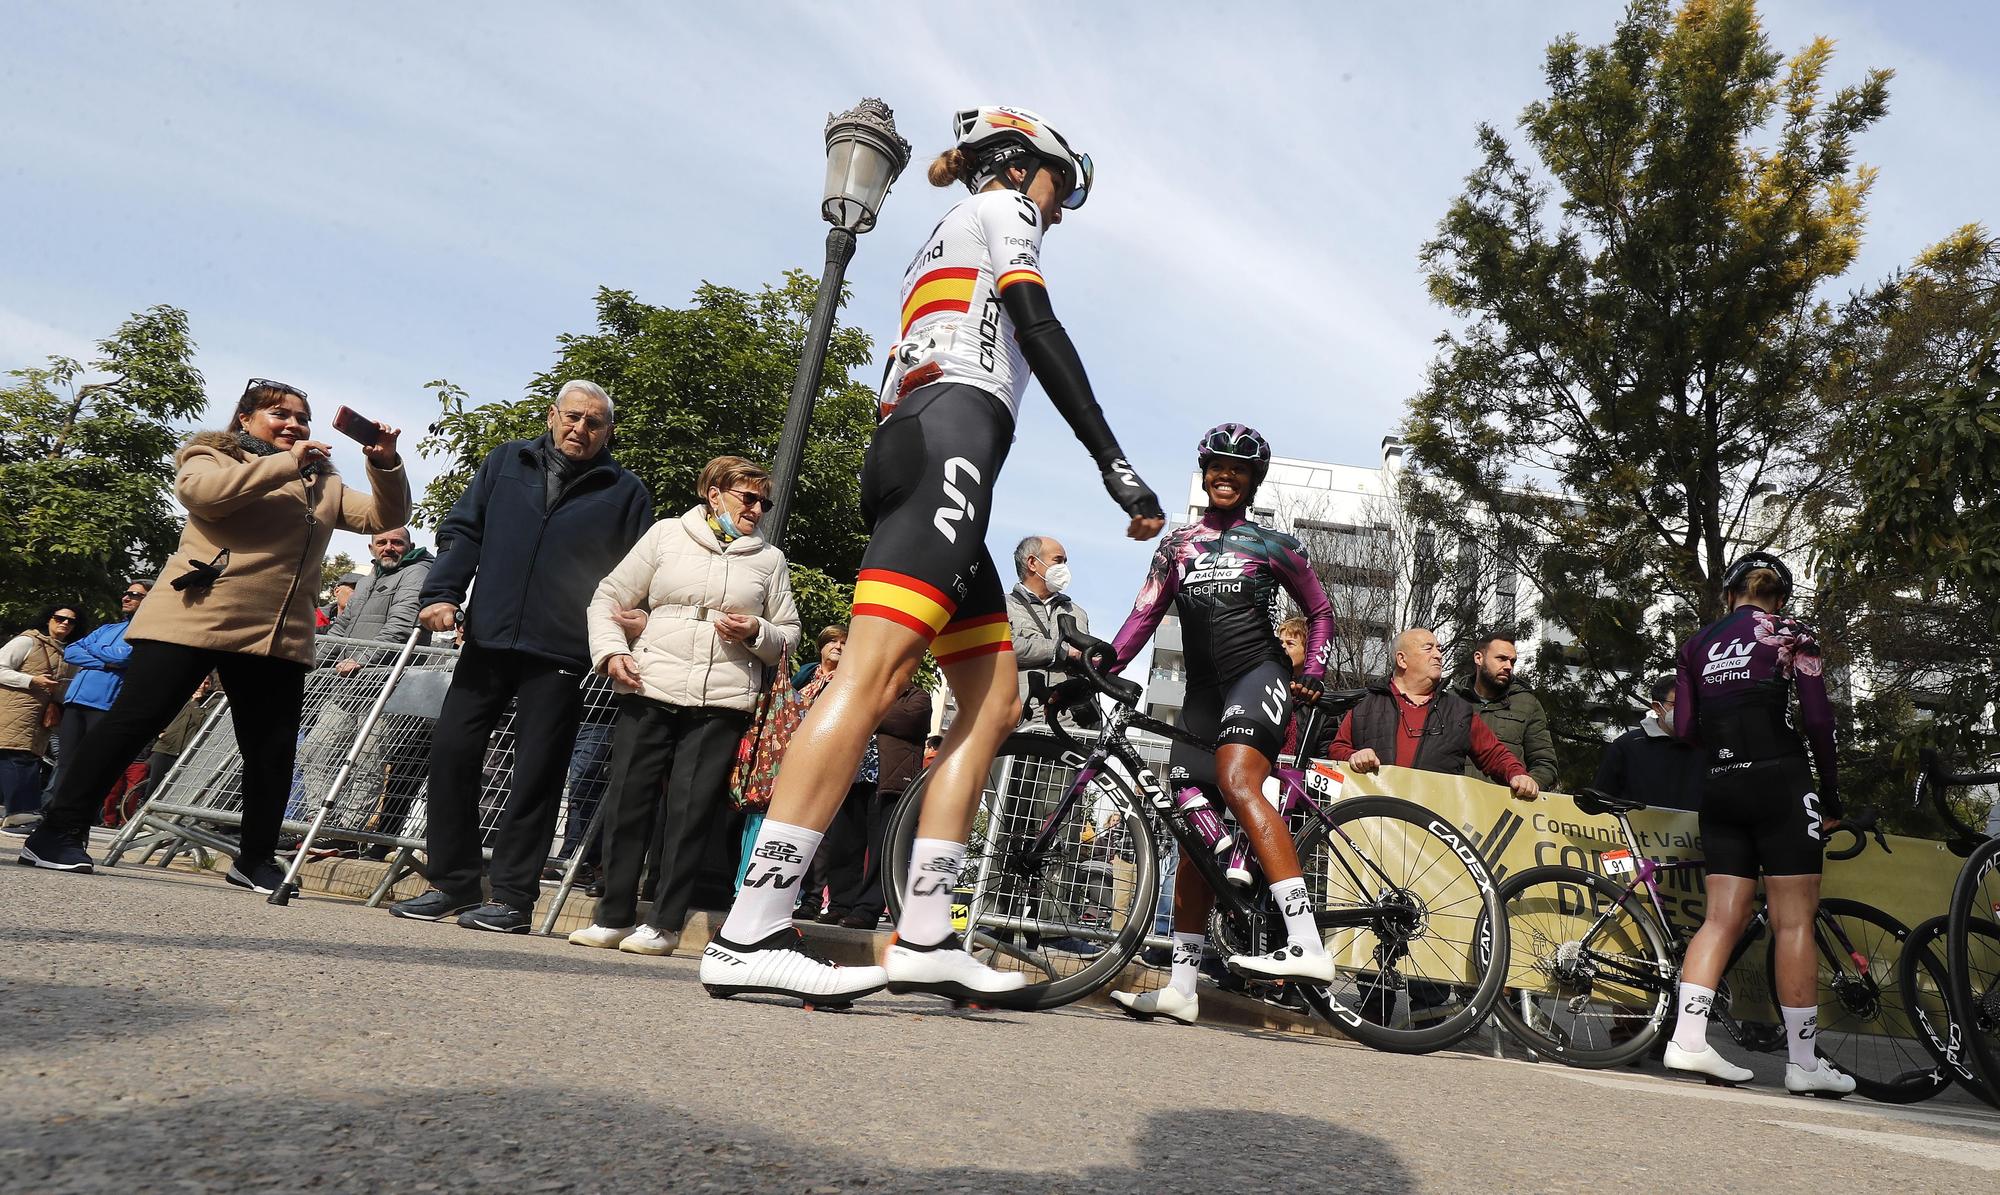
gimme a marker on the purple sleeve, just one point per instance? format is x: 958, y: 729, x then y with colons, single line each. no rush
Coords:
x: 1686, y: 723
x: 1295, y: 572
x: 1816, y: 716
x: 1162, y: 582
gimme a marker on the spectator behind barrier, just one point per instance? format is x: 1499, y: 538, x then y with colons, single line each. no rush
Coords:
x: 558, y: 513
x: 336, y: 602
x: 1647, y: 763
x: 383, y: 606
x: 1515, y: 715
x: 1412, y: 723
x: 262, y: 501
x: 1292, y: 637
x: 32, y: 673
x: 719, y: 617
x: 831, y: 642
x: 1042, y: 567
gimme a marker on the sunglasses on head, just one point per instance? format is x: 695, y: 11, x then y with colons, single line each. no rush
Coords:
x: 269, y: 384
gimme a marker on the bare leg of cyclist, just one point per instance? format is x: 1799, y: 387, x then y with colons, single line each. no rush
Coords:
x: 1794, y: 904
x: 926, y: 955
x: 1730, y: 902
x: 1242, y: 770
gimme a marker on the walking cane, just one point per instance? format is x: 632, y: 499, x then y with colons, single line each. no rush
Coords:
x: 285, y: 891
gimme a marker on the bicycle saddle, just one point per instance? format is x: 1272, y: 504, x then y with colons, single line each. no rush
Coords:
x: 1598, y: 802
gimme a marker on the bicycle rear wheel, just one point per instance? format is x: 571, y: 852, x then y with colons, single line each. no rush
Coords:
x: 1422, y: 969
x: 1974, y: 963
x: 1071, y: 916
x: 1926, y: 992
x: 1864, y: 1028
x: 1589, y: 976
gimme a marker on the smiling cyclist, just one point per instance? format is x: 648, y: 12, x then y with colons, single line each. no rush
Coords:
x: 976, y: 321
x: 1222, y: 576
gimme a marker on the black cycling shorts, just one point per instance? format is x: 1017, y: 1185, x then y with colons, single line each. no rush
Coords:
x: 1763, y: 818
x: 1249, y: 710
x: 927, y: 493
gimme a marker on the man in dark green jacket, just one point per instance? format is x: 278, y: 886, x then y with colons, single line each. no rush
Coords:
x: 1514, y: 714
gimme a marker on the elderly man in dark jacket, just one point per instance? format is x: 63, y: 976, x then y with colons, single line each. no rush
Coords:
x: 542, y: 523
x: 1515, y: 715
x: 1649, y: 764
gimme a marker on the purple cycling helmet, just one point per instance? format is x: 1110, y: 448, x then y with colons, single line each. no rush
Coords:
x: 1237, y: 442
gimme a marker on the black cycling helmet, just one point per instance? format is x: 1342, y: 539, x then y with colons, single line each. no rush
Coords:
x: 1749, y: 562
x: 1236, y: 442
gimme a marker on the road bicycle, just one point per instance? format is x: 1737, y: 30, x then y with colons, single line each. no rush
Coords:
x: 1948, y: 1036
x: 1594, y: 964
x: 1061, y: 879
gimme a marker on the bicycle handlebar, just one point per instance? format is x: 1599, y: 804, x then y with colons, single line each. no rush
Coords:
x: 1931, y: 775
x: 1861, y: 823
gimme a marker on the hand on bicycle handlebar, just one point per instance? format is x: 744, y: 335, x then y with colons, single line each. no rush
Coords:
x: 1308, y: 689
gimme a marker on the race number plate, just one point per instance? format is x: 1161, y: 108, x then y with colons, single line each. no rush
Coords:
x: 1324, y: 779
x: 1616, y: 863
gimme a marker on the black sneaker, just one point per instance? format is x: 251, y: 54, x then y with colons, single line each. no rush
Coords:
x: 21, y: 829
x: 496, y: 916
x: 264, y: 877
x: 432, y: 906
x: 56, y: 851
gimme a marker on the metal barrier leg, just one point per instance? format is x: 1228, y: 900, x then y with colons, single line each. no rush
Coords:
x: 590, y: 833
x: 132, y: 824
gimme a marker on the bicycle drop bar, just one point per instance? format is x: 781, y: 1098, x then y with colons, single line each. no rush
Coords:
x: 1860, y: 823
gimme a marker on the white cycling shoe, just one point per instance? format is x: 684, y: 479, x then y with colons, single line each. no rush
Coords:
x: 947, y: 970
x: 1707, y: 1063
x: 1290, y: 961
x: 1165, y: 1003
x: 1824, y: 1080
x: 780, y: 966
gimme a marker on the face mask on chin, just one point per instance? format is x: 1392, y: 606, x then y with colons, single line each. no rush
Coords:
x: 1057, y: 577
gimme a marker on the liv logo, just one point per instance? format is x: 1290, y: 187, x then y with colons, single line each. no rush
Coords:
x: 957, y: 506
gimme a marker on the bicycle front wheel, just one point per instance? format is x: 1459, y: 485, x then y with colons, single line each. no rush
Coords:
x: 1412, y: 918
x: 1589, y: 976
x: 1068, y: 908
x: 1974, y: 962
x: 1864, y: 1028
x: 1926, y: 987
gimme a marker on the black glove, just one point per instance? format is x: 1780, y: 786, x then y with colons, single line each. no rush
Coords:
x: 1309, y: 689
x: 1133, y: 496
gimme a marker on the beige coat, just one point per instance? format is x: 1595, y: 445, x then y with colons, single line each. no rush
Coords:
x: 684, y: 576
x: 20, y: 709
x: 276, y: 527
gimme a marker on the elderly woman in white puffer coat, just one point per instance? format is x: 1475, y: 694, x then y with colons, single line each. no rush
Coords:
x: 718, y: 615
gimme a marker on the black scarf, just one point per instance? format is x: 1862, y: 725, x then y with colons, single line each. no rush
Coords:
x: 256, y: 447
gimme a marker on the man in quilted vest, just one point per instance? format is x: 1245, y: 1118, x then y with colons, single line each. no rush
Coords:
x: 1412, y: 723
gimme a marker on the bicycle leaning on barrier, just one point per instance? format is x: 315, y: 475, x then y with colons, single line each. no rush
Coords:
x: 1061, y: 876
x: 1957, y: 1015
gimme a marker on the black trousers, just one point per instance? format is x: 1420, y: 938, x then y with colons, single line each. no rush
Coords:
x: 669, y: 769
x: 854, y: 851
x: 548, y: 704
x: 265, y: 698
x: 77, y: 723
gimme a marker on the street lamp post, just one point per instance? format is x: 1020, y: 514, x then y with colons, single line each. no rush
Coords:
x: 864, y: 155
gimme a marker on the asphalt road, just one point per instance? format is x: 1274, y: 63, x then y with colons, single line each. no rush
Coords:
x: 168, y: 1033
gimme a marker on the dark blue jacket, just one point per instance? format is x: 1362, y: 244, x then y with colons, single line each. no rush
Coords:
x: 537, y: 568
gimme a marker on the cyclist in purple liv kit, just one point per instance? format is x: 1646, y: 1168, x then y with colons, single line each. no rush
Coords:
x: 1222, y: 576
x: 1760, y: 812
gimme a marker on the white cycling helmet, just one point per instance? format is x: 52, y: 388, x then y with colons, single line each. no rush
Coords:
x: 998, y: 137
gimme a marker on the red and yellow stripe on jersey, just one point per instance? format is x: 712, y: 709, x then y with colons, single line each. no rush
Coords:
x: 948, y: 289
x: 1022, y: 274
x: 904, y: 600
x: 973, y: 637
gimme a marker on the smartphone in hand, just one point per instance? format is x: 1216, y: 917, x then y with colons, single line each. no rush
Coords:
x: 356, y: 427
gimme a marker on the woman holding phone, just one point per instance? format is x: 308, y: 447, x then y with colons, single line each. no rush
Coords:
x: 236, y: 597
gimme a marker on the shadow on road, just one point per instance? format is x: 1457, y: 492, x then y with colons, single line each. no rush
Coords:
x: 542, y: 1140
x: 43, y: 1014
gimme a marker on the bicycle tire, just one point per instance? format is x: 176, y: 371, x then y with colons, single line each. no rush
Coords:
x: 1031, y: 914
x: 1973, y: 970
x: 1926, y: 985
x: 1858, y: 1013
x: 1447, y: 919
x: 1583, y: 1003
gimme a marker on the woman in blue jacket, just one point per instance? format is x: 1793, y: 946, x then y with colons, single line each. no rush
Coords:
x: 99, y: 658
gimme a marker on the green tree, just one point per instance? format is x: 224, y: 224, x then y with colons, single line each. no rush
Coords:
x: 691, y: 384
x: 332, y: 569
x: 1634, y: 393
x: 87, y: 468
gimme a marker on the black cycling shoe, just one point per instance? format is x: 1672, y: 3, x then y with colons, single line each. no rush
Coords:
x: 432, y: 906
x: 497, y: 917
x: 263, y: 877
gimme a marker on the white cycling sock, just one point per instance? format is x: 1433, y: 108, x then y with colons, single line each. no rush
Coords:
x: 1300, y: 926
x: 934, y: 867
x: 1801, y: 1030
x: 1691, y: 1030
x: 1187, y: 961
x: 764, y: 903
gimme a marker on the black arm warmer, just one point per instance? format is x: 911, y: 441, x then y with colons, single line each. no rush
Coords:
x: 1053, y: 358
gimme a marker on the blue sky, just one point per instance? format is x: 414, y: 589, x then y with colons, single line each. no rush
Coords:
x: 363, y: 197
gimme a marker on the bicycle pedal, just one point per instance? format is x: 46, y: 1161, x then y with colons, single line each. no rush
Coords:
x: 815, y: 1006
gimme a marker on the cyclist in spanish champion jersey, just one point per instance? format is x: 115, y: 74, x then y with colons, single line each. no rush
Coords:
x: 1222, y: 576
x: 1760, y: 811
x: 976, y: 321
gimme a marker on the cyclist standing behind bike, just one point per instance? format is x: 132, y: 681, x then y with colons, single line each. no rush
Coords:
x: 975, y: 321
x: 1760, y: 811
x: 1221, y: 575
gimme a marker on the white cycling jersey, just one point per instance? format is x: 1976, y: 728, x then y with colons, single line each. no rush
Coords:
x: 953, y: 326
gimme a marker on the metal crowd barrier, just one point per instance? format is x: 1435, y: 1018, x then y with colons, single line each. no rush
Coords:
x: 362, y: 770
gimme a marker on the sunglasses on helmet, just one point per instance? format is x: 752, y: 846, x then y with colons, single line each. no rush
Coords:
x: 1222, y: 443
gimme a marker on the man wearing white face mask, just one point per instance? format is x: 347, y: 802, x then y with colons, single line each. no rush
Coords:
x: 1032, y: 606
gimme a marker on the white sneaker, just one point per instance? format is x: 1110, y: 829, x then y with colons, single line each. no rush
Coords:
x: 1707, y: 1063
x: 647, y: 940
x: 1824, y: 1080
x: 603, y: 937
x: 1290, y: 961
x: 946, y: 970
x: 1166, y: 1002
x: 779, y: 966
